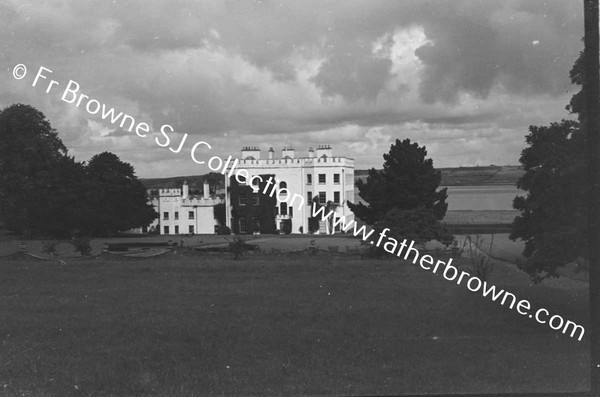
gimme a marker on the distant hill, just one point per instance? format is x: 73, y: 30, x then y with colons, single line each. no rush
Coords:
x: 195, y: 182
x: 472, y: 176
x: 456, y: 176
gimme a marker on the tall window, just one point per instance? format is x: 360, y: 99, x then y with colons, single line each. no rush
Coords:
x: 322, y: 179
x: 176, y: 229
x: 322, y: 198
x: 242, y: 198
x: 309, y: 197
x: 191, y: 229
x: 190, y: 214
x: 336, y: 178
x: 282, y: 193
x: 283, y: 209
x: 291, y: 210
x: 309, y: 179
x: 176, y: 215
x: 166, y: 229
x: 336, y: 197
x: 165, y: 216
x: 242, y: 225
x: 255, y: 199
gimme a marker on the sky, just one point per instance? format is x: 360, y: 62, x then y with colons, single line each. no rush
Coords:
x: 464, y: 78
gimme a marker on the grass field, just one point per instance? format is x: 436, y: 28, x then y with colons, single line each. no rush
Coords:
x: 189, y: 324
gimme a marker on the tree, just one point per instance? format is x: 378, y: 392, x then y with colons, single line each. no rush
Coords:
x: 117, y: 200
x: 553, y: 214
x: 553, y: 217
x: 30, y: 155
x: 418, y: 224
x: 408, y: 182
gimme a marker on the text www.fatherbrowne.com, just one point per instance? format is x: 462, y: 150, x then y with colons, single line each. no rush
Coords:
x: 451, y: 273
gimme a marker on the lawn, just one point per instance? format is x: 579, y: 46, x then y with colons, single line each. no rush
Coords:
x: 282, y: 324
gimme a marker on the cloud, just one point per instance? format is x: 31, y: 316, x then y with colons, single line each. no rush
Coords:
x: 353, y: 74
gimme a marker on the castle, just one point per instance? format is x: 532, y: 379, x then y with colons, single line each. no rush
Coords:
x: 299, y: 180
x: 320, y: 175
x: 182, y: 213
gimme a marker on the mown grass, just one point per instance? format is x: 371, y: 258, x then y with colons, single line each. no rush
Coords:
x: 274, y: 325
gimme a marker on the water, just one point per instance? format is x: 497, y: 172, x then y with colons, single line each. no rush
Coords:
x: 482, y: 198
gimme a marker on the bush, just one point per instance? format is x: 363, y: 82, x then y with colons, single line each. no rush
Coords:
x: 50, y: 248
x: 237, y: 246
x: 482, y: 265
x: 224, y: 230
x: 286, y: 226
x: 82, y: 245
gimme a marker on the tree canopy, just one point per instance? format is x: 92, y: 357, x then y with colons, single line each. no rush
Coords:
x: 43, y: 190
x: 553, y: 214
x: 408, y: 182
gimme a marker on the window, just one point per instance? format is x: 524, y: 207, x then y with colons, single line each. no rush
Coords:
x: 280, y: 191
x: 322, y: 179
x: 242, y: 198
x: 166, y: 229
x: 176, y: 215
x: 291, y: 210
x: 309, y: 179
x: 176, y: 229
x: 276, y: 210
x: 336, y: 178
x: 283, y: 210
x: 322, y: 198
x: 165, y: 216
x: 191, y: 229
x: 309, y: 197
x: 336, y: 197
x: 190, y: 214
x: 254, y: 182
x: 255, y: 199
x: 242, y: 225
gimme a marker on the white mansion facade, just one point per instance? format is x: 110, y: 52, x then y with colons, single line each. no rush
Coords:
x: 319, y: 174
x: 182, y: 213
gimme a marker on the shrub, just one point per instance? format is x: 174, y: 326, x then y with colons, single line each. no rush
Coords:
x: 482, y: 265
x: 82, y: 245
x: 50, y: 248
x: 223, y: 230
x: 286, y: 226
x: 237, y: 246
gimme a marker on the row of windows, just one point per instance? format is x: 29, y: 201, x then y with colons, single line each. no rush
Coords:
x: 322, y: 198
x: 243, y: 200
x: 176, y: 215
x: 323, y: 179
x: 255, y: 200
x: 166, y: 229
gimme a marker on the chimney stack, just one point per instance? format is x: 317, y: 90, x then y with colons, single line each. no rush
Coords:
x: 185, y: 190
x: 287, y: 151
x: 206, y: 190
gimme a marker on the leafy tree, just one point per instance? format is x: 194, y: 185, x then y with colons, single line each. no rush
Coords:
x: 553, y: 214
x: 117, y: 199
x: 30, y: 154
x: 409, y: 183
x: 418, y: 224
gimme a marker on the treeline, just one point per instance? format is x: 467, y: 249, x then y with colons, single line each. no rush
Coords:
x: 44, y: 191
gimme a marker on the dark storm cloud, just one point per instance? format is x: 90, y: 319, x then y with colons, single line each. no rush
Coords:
x: 261, y: 69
